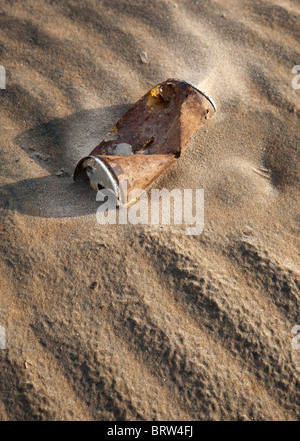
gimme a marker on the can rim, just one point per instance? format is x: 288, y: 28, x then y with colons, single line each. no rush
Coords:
x: 106, y: 170
x: 202, y: 93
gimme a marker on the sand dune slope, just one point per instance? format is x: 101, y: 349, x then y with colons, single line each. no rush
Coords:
x: 138, y: 322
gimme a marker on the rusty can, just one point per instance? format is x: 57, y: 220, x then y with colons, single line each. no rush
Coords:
x: 146, y: 140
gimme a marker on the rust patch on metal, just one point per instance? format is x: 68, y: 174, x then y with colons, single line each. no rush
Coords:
x: 118, y: 170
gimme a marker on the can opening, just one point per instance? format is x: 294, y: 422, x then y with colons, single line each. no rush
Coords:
x: 94, y: 172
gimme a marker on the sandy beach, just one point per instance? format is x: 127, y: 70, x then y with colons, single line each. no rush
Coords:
x: 141, y: 322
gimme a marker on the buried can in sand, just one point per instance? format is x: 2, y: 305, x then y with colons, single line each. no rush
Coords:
x: 146, y: 140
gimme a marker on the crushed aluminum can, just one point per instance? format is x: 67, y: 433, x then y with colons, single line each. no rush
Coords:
x: 146, y: 140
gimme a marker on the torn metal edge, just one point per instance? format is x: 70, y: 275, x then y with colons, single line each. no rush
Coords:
x: 200, y: 91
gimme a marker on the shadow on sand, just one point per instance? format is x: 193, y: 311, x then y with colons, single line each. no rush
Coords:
x: 57, y: 146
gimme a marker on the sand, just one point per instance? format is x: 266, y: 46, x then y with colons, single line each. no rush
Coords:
x: 138, y: 322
